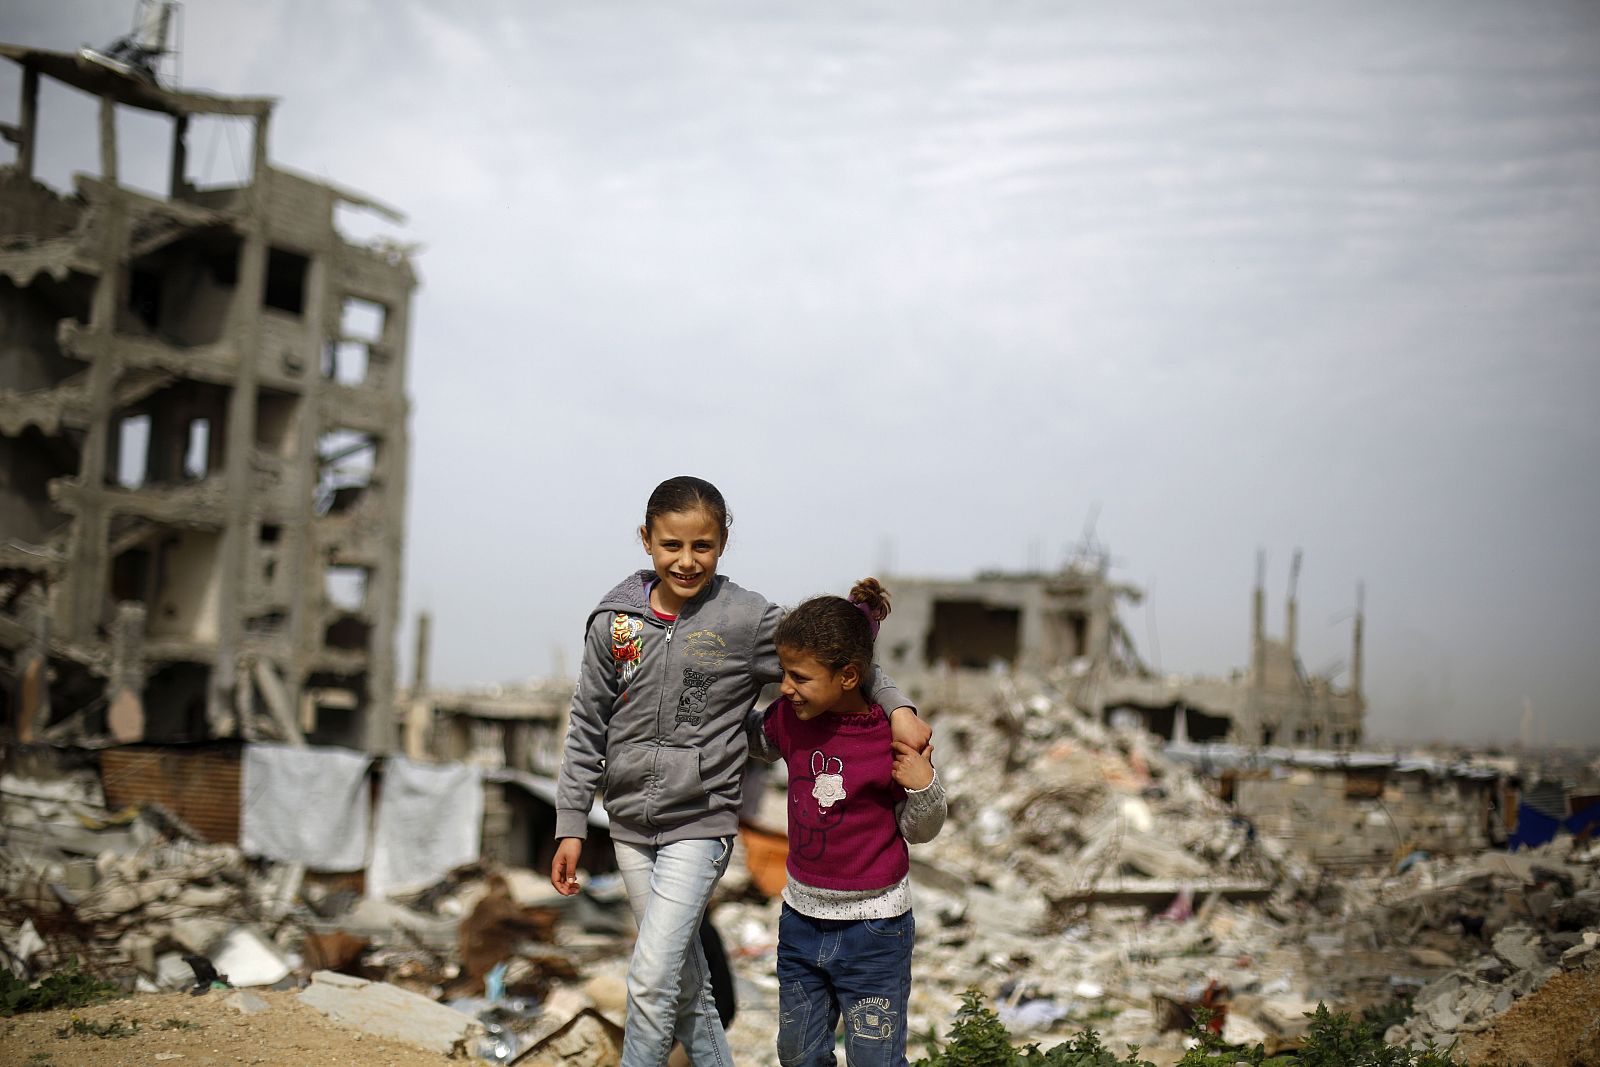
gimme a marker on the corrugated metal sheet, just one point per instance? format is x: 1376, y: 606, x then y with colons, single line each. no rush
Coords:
x: 199, y: 785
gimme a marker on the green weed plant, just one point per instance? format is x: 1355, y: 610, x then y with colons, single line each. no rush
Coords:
x: 979, y: 1039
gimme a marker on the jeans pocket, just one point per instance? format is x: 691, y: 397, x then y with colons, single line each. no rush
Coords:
x: 894, y: 927
x: 794, y: 1018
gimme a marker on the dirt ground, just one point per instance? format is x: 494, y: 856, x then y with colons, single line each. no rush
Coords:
x: 200, y: 1031
x: 1556, y: 1026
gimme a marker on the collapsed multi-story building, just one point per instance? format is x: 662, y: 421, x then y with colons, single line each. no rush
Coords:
x: 202, y: 438
x: 951, y: 642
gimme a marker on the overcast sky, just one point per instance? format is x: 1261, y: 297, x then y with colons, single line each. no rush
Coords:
x: 925, y: 285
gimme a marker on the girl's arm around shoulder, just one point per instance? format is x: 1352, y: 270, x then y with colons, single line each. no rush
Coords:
x: 764, y: 665
x: 921, y: 815
x: 583, y: 758
x: 904, y: 722
x: 760, y: 729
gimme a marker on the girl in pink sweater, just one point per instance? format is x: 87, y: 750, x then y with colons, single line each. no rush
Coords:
x: 855, y: 799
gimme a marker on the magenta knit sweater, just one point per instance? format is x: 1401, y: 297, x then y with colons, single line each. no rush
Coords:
x: 842, y: 828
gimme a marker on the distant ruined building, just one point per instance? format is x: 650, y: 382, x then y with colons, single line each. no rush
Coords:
x: 203, y: 444
x: 962, y: 642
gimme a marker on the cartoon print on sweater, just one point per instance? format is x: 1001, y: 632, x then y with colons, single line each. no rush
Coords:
x: 828, y: 774
x: 692, y: 700
x: 626, y: 645
x: 809, y: 802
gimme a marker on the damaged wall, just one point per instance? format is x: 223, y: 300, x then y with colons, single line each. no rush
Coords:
x: 181, y: 378
x: 953, y: 643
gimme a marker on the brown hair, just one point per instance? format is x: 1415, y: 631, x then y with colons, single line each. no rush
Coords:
x: 688, y: 493
x: 834, y: 631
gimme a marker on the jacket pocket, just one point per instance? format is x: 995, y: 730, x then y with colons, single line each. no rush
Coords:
x: 628, y: 782
x: 678, y: 794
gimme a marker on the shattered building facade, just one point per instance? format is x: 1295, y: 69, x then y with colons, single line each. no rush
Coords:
x: 951, y: 641
x: 203, y: 446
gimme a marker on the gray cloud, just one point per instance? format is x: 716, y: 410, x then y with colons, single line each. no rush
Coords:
x: 1242, y: 275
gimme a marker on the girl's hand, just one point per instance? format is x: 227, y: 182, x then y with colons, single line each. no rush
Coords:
x: 564, y: 868
x: 906, y: 725
x: 913, y: 769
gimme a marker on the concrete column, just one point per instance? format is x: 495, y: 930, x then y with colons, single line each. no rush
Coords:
x: 108, y: 139
x: 1355, y: 646
x: 84, y: 599
x: 384, y: 589
x: 29, y: 121
x: 242, y: 337
x: 180, y: 155
x: 1291, y: 631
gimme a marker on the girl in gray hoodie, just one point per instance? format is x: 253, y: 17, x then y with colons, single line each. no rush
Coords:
x: 673, y: 658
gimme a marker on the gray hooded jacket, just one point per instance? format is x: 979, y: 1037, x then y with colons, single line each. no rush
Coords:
x: 658, y: 717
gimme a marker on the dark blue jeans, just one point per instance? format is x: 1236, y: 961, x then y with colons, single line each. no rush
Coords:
x: 858, y: 968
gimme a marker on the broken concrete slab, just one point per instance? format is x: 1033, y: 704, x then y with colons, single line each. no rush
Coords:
x: 246, y: 1003
x: 249, y: 959
x: 388, y: 1011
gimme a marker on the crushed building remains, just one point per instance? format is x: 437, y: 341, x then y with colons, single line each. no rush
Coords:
x: 949, y: 640
x: 202, y: 439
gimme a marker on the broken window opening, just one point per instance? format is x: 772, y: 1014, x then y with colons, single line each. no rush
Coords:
x: 32, y: 316
x: 147, y: 171
x: 181, y: 289
x: 131, y: 462
x: 131, y: 575
x: 285, y: 287
x: 175, y: 703
x: 346, y: 460
x: 66, y: 136
x: 275, y: 422
x: 349, y: 632
x: 346, y: 362
x: 28, y: 463
x: 196, y: 459
x: 144, y: 297
x: 362, y: 320
x: 268, y: 624
x: 345, y: 587
x: 972, y: 635
x: 188, y: 587
x: 221, y: 151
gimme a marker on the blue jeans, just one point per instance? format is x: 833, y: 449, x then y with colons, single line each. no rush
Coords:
x: 858, y: 968
x: 669, y: 985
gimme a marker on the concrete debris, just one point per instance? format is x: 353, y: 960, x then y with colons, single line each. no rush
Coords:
x: 249, y: 959
x: 388, y: 1011
x: 1101, y: 884
x: 245, y: 1002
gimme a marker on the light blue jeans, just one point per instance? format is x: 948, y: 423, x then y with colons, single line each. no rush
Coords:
x: 669, y: 985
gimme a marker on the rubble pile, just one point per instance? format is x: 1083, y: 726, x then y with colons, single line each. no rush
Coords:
x: 1099, y: 884
x: 1083, y: 880
x: 1523, y: 918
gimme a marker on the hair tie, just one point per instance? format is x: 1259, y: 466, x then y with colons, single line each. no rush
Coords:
x: 872, y: 620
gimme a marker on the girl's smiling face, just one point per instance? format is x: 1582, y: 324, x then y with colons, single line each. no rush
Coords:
x: 812, y: 688
x: 684, y: 547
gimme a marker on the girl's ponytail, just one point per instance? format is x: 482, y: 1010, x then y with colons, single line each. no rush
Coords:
x: 873, y: 598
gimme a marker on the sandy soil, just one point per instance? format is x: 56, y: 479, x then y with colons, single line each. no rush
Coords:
x: 1558, y: 1025
x: 201, y: 1031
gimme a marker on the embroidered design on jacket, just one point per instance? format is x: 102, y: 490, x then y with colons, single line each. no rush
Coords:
x: 626, y: 645
x: 827, y: 773
x: 706, y: 645
x: 692, y: 700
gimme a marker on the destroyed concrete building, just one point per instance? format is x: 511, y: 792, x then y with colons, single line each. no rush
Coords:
x: 950, y: 641
x: 203, y: 446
